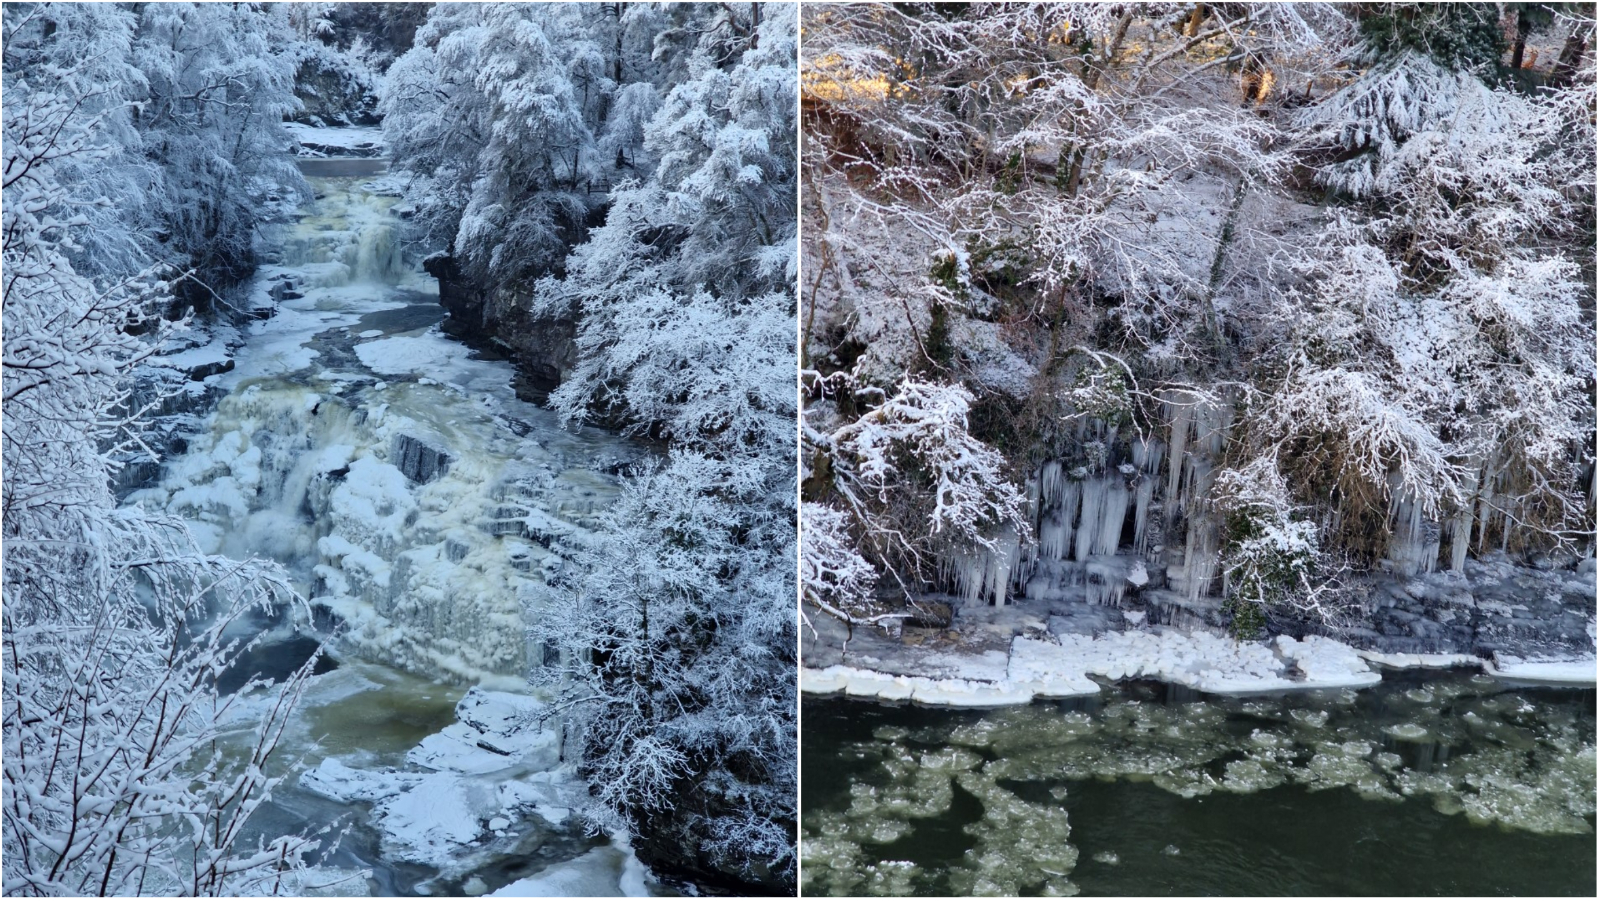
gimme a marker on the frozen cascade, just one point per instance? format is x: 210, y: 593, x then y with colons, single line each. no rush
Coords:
x: 414, y: 499
x: 348, y: 238
x: 1086, y: 550
x: 379, y: 462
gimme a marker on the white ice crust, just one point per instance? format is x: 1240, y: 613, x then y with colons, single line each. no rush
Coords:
x: 1062, y: 668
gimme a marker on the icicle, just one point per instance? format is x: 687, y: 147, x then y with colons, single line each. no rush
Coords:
x: 1141, y: 511
x: 1175, y: 458
x: 1114, y: 511
x: 1052, y: 483
x: 1461, y: 526
x: 1092, y: 508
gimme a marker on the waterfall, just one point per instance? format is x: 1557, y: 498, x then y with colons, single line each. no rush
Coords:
x: 348, y: 238
x: 407, y: 504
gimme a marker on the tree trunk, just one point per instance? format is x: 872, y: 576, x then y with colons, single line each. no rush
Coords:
x: 1571, y: 55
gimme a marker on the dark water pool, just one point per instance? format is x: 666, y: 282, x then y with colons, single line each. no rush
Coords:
x: 1454, y: 786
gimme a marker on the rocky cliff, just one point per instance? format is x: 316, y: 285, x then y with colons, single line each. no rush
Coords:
x: 497, y: 320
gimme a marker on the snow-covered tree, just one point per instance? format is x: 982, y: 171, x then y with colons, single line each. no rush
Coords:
x: 115, y: 624
x: 685, y: 303
x: 188, y: 100
x: 501, y: 112
x: 220, y: 82
x: 1448, y: 354
x: 674, y: 125
x: 1345, y: 227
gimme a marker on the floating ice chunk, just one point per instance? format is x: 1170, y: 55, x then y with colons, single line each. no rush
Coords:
x: 1407, y: 731
x: 494, y: 730
x: 332, y: 779
x: 402, y: 356
x: 606, y: 872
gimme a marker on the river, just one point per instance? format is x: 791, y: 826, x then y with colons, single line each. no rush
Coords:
x: 417, y: 503
x: 1444, y: 785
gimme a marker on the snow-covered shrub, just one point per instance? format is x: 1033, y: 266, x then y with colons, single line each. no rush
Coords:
x: 833, y: 577
x: 913, y: 482
x: 1271, y: 554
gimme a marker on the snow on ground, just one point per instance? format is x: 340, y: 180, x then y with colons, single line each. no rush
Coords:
x: 428, y: 355
x: 357, y: 140
x: 1061, y: 668
x: 1560, y: 672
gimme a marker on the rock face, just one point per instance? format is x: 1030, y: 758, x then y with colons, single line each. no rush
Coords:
x: 420, y: 462
x: 1494, y: 608
x: 333, y: 97
x: 542, y: 349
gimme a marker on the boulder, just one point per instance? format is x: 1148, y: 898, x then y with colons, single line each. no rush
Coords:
x: 421, y: 462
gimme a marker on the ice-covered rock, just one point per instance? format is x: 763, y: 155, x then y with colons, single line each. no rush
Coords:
x: 421, y: 462
x: 432, y: 821
x: 494, y: 731
x: 606, y: 872
x: 332, y: 779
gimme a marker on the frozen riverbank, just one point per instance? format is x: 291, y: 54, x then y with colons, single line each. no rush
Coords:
x: 1005, y: 658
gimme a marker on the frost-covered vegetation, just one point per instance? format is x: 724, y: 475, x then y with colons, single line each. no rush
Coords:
x: 631, y: 168
x: 1269, y: 296
x: 142, y: 146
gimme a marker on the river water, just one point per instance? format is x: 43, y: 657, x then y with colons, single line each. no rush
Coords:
x: 1453, y: 785
x: 417, y: 504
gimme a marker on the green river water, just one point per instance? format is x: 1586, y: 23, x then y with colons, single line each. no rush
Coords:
x: 1450, y: 785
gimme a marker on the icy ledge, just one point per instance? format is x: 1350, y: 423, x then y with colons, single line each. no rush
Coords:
x: 475, y: 790
x: 1044, y: 669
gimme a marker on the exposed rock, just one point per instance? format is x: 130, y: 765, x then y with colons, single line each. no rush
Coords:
x: 202, y: 371
x: 497, y: 320
x: 420, y: 462
x: 333, y: 97
x: 931, y: 615
x: 677, y: 842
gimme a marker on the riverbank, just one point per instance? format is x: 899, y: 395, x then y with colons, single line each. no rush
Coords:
x: 1005, y: 656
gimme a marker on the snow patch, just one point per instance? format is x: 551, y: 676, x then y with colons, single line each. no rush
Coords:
x: 607, y: 872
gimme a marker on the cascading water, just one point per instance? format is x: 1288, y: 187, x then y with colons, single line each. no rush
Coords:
x: 414, y: 500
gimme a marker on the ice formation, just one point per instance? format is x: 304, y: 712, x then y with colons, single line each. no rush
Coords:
x: 1467, y: 745
x: 416, y: 507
